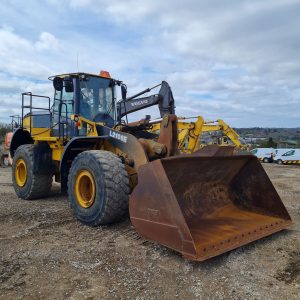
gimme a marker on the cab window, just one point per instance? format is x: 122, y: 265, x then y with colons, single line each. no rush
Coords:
x: 65, y: 100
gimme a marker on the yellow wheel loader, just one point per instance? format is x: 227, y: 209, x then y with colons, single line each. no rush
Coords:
x: 200, y: 204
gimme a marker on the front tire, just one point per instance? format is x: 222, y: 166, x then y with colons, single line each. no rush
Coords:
x: 279, y: 162
x: 266, y: 160
x: 98, y: 188
x: 27, y: 184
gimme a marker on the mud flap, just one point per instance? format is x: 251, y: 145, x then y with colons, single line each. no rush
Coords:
x: 202, y: 205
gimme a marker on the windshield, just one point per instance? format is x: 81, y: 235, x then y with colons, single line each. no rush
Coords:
x: 289, y: 153
x: 96, y: 97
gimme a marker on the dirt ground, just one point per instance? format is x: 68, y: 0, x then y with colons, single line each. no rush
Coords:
x: 45, y: 253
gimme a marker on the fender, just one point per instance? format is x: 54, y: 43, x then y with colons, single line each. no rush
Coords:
x: 126, y: 142
x: 42, y: 152
x: 20, y: 137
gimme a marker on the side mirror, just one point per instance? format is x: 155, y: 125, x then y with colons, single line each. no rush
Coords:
x: 69, y: 85
x: 58, y: 83
x: 124, y: 91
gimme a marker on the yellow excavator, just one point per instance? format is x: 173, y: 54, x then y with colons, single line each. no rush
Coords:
x: 189, y: 133
x: 200, y: 204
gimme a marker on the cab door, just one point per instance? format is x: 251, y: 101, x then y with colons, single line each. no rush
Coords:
x: 63, y: 108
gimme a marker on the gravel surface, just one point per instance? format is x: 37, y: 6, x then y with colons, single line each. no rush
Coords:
x: 45, y: 253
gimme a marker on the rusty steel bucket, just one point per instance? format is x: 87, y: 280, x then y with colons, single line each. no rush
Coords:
x: 207, y: 203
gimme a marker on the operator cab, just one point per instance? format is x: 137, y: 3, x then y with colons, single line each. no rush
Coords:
x: 88, y: 95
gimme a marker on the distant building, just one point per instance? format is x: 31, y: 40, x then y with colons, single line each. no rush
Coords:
x: 287, y: 144
x: 251, y: 140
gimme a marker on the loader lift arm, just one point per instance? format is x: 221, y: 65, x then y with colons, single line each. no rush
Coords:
x: 164, y: 99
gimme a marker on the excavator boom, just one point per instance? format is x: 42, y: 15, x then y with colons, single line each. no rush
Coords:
x: 189, y: 133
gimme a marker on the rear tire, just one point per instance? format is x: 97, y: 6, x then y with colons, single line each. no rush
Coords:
x: 27, y: 184
x: 98, y: 188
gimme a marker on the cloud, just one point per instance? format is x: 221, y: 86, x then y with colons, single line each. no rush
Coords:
x: 23, y: 67
x: 236, y: 60
x: 21, y: 57
x: 48, y: 41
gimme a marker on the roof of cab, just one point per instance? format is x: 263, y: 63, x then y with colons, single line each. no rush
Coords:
x: 81, y: 73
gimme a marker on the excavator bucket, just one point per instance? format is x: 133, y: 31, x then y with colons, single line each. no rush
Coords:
x: 207, y: 203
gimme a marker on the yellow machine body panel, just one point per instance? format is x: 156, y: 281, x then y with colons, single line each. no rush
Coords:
x: 35, y: 131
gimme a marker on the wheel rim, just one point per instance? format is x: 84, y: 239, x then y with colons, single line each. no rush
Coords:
x: 85, y: 189
x: 21, y: 172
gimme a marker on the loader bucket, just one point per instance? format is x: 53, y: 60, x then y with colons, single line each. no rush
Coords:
x: 205, y: 204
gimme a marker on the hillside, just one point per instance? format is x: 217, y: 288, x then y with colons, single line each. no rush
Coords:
x: 281, y: 136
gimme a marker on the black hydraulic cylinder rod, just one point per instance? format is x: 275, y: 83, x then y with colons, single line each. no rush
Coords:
x: 142, y: 92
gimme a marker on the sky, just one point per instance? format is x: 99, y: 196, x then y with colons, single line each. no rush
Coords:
x: 235, y: 60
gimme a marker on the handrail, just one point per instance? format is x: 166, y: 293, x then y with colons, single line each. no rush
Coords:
x: 30, y: 107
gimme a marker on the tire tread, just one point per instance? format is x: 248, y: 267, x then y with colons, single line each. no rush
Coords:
x: 115, y: 181
x: 41, y: 184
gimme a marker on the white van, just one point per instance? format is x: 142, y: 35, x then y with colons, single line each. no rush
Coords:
x: 280, y: 151
x: 288, y: 157
x: 264, y: 154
